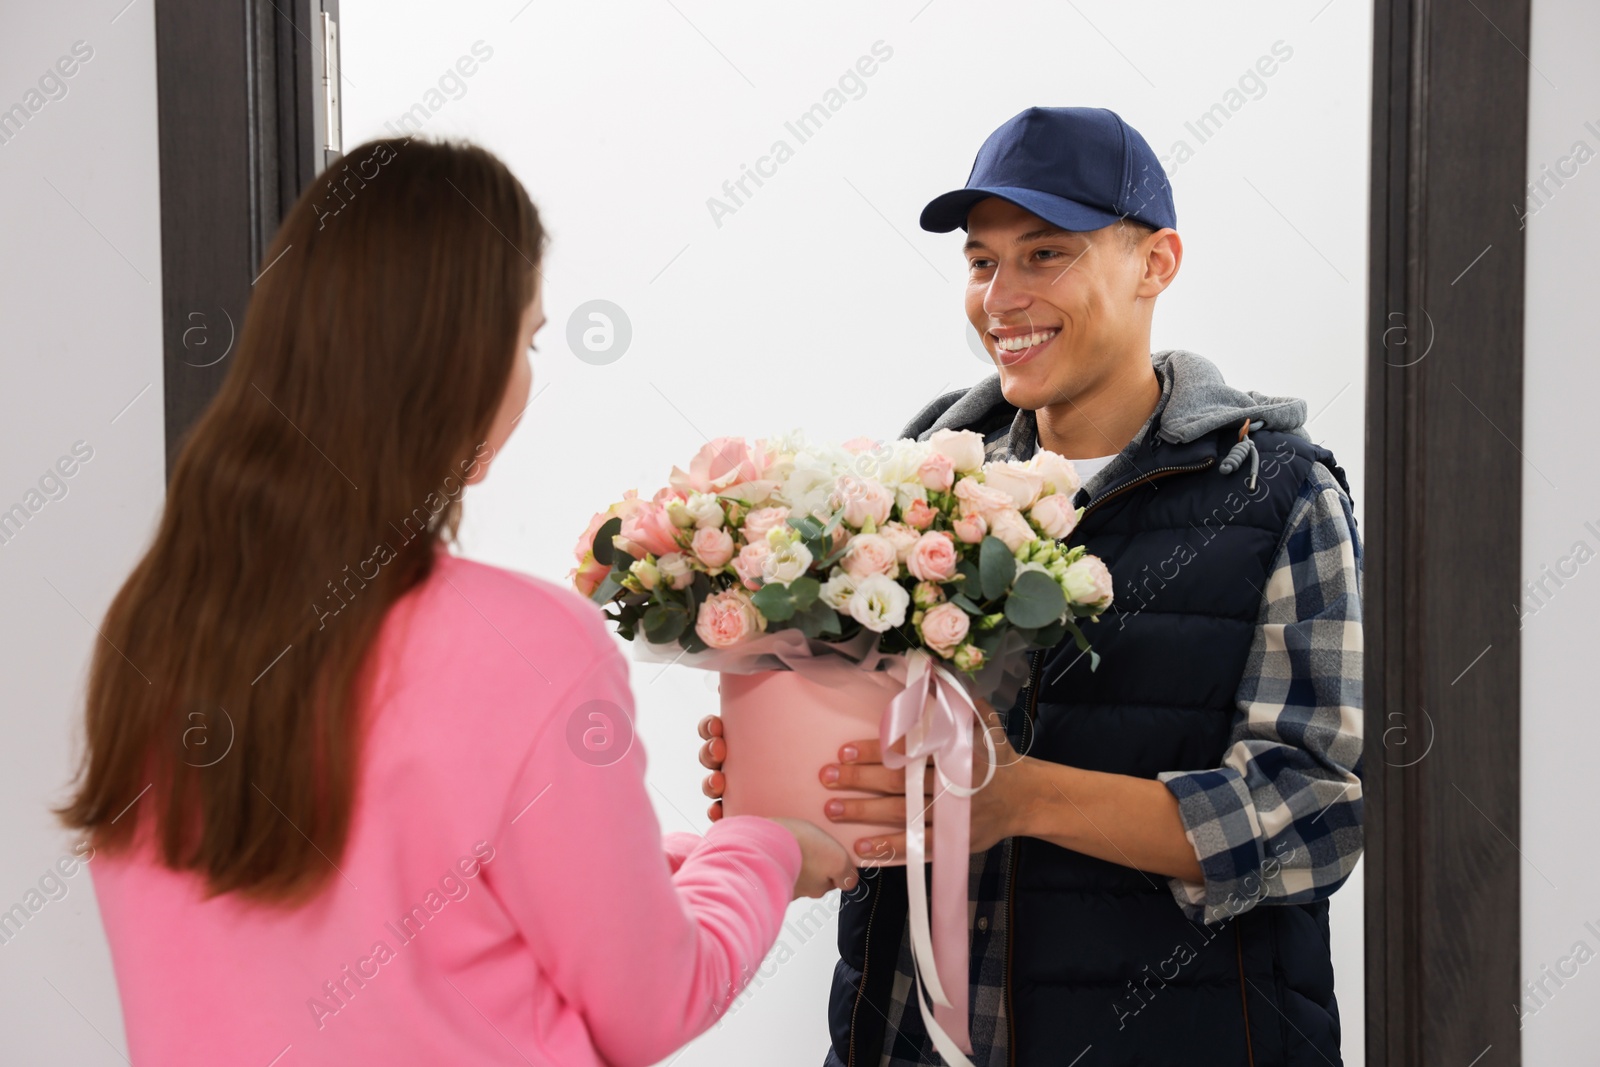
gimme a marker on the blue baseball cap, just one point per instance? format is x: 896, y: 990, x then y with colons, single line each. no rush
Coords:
x: 1080, y: 168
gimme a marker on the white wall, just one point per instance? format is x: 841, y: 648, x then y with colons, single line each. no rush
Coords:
x: 818, y: 302
x: 80, y: 300
x: 1560, y: 539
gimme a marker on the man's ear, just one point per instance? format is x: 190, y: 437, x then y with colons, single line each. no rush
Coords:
x: 1163, y: 255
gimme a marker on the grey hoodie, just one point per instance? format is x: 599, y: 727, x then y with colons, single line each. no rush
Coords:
x: 1195, y: 400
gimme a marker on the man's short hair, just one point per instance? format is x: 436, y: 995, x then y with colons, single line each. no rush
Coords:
x: 1132, y: 232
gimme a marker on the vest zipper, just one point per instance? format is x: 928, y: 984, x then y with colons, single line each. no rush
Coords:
x: 1244, y: 998
x: 1034, y: 672
x: 861, y: 986
x: 1034, y: 678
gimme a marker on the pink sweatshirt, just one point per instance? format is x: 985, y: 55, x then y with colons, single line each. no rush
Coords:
x: 506, y: 897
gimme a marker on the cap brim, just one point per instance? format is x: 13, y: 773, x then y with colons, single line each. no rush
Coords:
x: 949, y: 211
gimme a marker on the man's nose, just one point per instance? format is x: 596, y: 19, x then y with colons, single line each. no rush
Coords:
x: 1005, y: 294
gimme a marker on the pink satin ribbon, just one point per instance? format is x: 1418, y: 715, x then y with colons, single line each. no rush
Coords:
x: 934, y: 715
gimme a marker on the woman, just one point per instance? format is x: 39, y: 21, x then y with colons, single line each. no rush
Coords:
x: 355, y: 798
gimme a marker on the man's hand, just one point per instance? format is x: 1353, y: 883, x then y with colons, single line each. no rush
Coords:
x: 995, y: 808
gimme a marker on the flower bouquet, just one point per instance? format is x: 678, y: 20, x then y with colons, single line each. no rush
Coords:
x: 851, y: 590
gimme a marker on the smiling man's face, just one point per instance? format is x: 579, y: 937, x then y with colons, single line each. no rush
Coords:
x: 1059, y: 311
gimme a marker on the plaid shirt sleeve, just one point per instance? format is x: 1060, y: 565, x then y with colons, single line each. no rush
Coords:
x: 1280, y: 820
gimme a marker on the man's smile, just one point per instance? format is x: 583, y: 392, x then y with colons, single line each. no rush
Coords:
x: 1016, y: 344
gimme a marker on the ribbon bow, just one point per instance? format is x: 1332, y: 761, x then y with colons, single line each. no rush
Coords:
x: 934, y: 715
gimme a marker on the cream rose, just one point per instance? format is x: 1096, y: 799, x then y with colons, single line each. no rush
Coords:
x: 964, y: 448
x: 1055, y: 515
x: 786, y: 562
x: 1012, y: 528
x: 981, y: 499
x: 676, y: 569
x: 1060, y: 476
x: 1087, y: 582
x: 1021, y: 482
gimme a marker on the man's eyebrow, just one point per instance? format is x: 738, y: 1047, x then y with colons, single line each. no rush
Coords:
x: 1031, y: 235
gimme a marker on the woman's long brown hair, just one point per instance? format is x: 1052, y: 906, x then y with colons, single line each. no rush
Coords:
x: 224, y: 705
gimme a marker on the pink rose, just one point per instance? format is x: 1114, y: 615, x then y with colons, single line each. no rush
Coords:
x: 938, y: 472
x: 862, y: 498
x: 722, y: 463
x: 727, y: 618
x: 943, y: 628
x: 650, y: 530
x: 870, y: 554
x: 1055, y: 515
x: 714, y: 547
x: 857, y: 445
x: 920, y: 515
x: 971, y: 528
x: 1012, y: 528
x: 984, y: 500
x: 933, y: 558
x: 759, y: 521
x: 1022, y: 482
x: 747, y: 564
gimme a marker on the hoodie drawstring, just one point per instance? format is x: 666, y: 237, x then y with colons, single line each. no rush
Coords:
x: 1235, y: 457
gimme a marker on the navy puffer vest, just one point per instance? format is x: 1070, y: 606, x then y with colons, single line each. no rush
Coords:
x: 1100, y: 957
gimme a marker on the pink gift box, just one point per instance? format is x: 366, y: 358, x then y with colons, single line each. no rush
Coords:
x: 782, y: 728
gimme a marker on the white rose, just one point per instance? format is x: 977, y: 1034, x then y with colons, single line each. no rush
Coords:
x: 1022, y: 483
x: 786, y: 562
x: 705, y: 509
x: 964, y: 447
x: 1055, y: 515
x: 879, y: 603
x: 1060, y: 476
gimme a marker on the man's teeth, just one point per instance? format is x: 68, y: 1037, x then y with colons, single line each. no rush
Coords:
x: 1017, y: 344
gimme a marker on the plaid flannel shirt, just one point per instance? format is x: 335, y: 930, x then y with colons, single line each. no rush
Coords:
x: 1289, y: 786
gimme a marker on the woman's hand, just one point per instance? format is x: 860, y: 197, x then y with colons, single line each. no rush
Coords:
x: 824, y: 866
x: 712, y: 753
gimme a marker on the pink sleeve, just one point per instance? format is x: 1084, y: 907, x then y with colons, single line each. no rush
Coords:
x: 650, y: 953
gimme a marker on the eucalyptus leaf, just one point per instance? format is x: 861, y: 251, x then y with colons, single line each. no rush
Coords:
x: 961, y: 601
x: 996, y: 566
x: 1036, y: 600
x: 664, y: 623
x: 604, y: 551
x: 805, y: 590
x: 774, y: 601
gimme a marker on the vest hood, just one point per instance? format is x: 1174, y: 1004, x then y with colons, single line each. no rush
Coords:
x: 1198, y: 402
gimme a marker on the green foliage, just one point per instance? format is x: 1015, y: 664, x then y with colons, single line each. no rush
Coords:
x: 1035, y: 601
x: 996, y: 567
